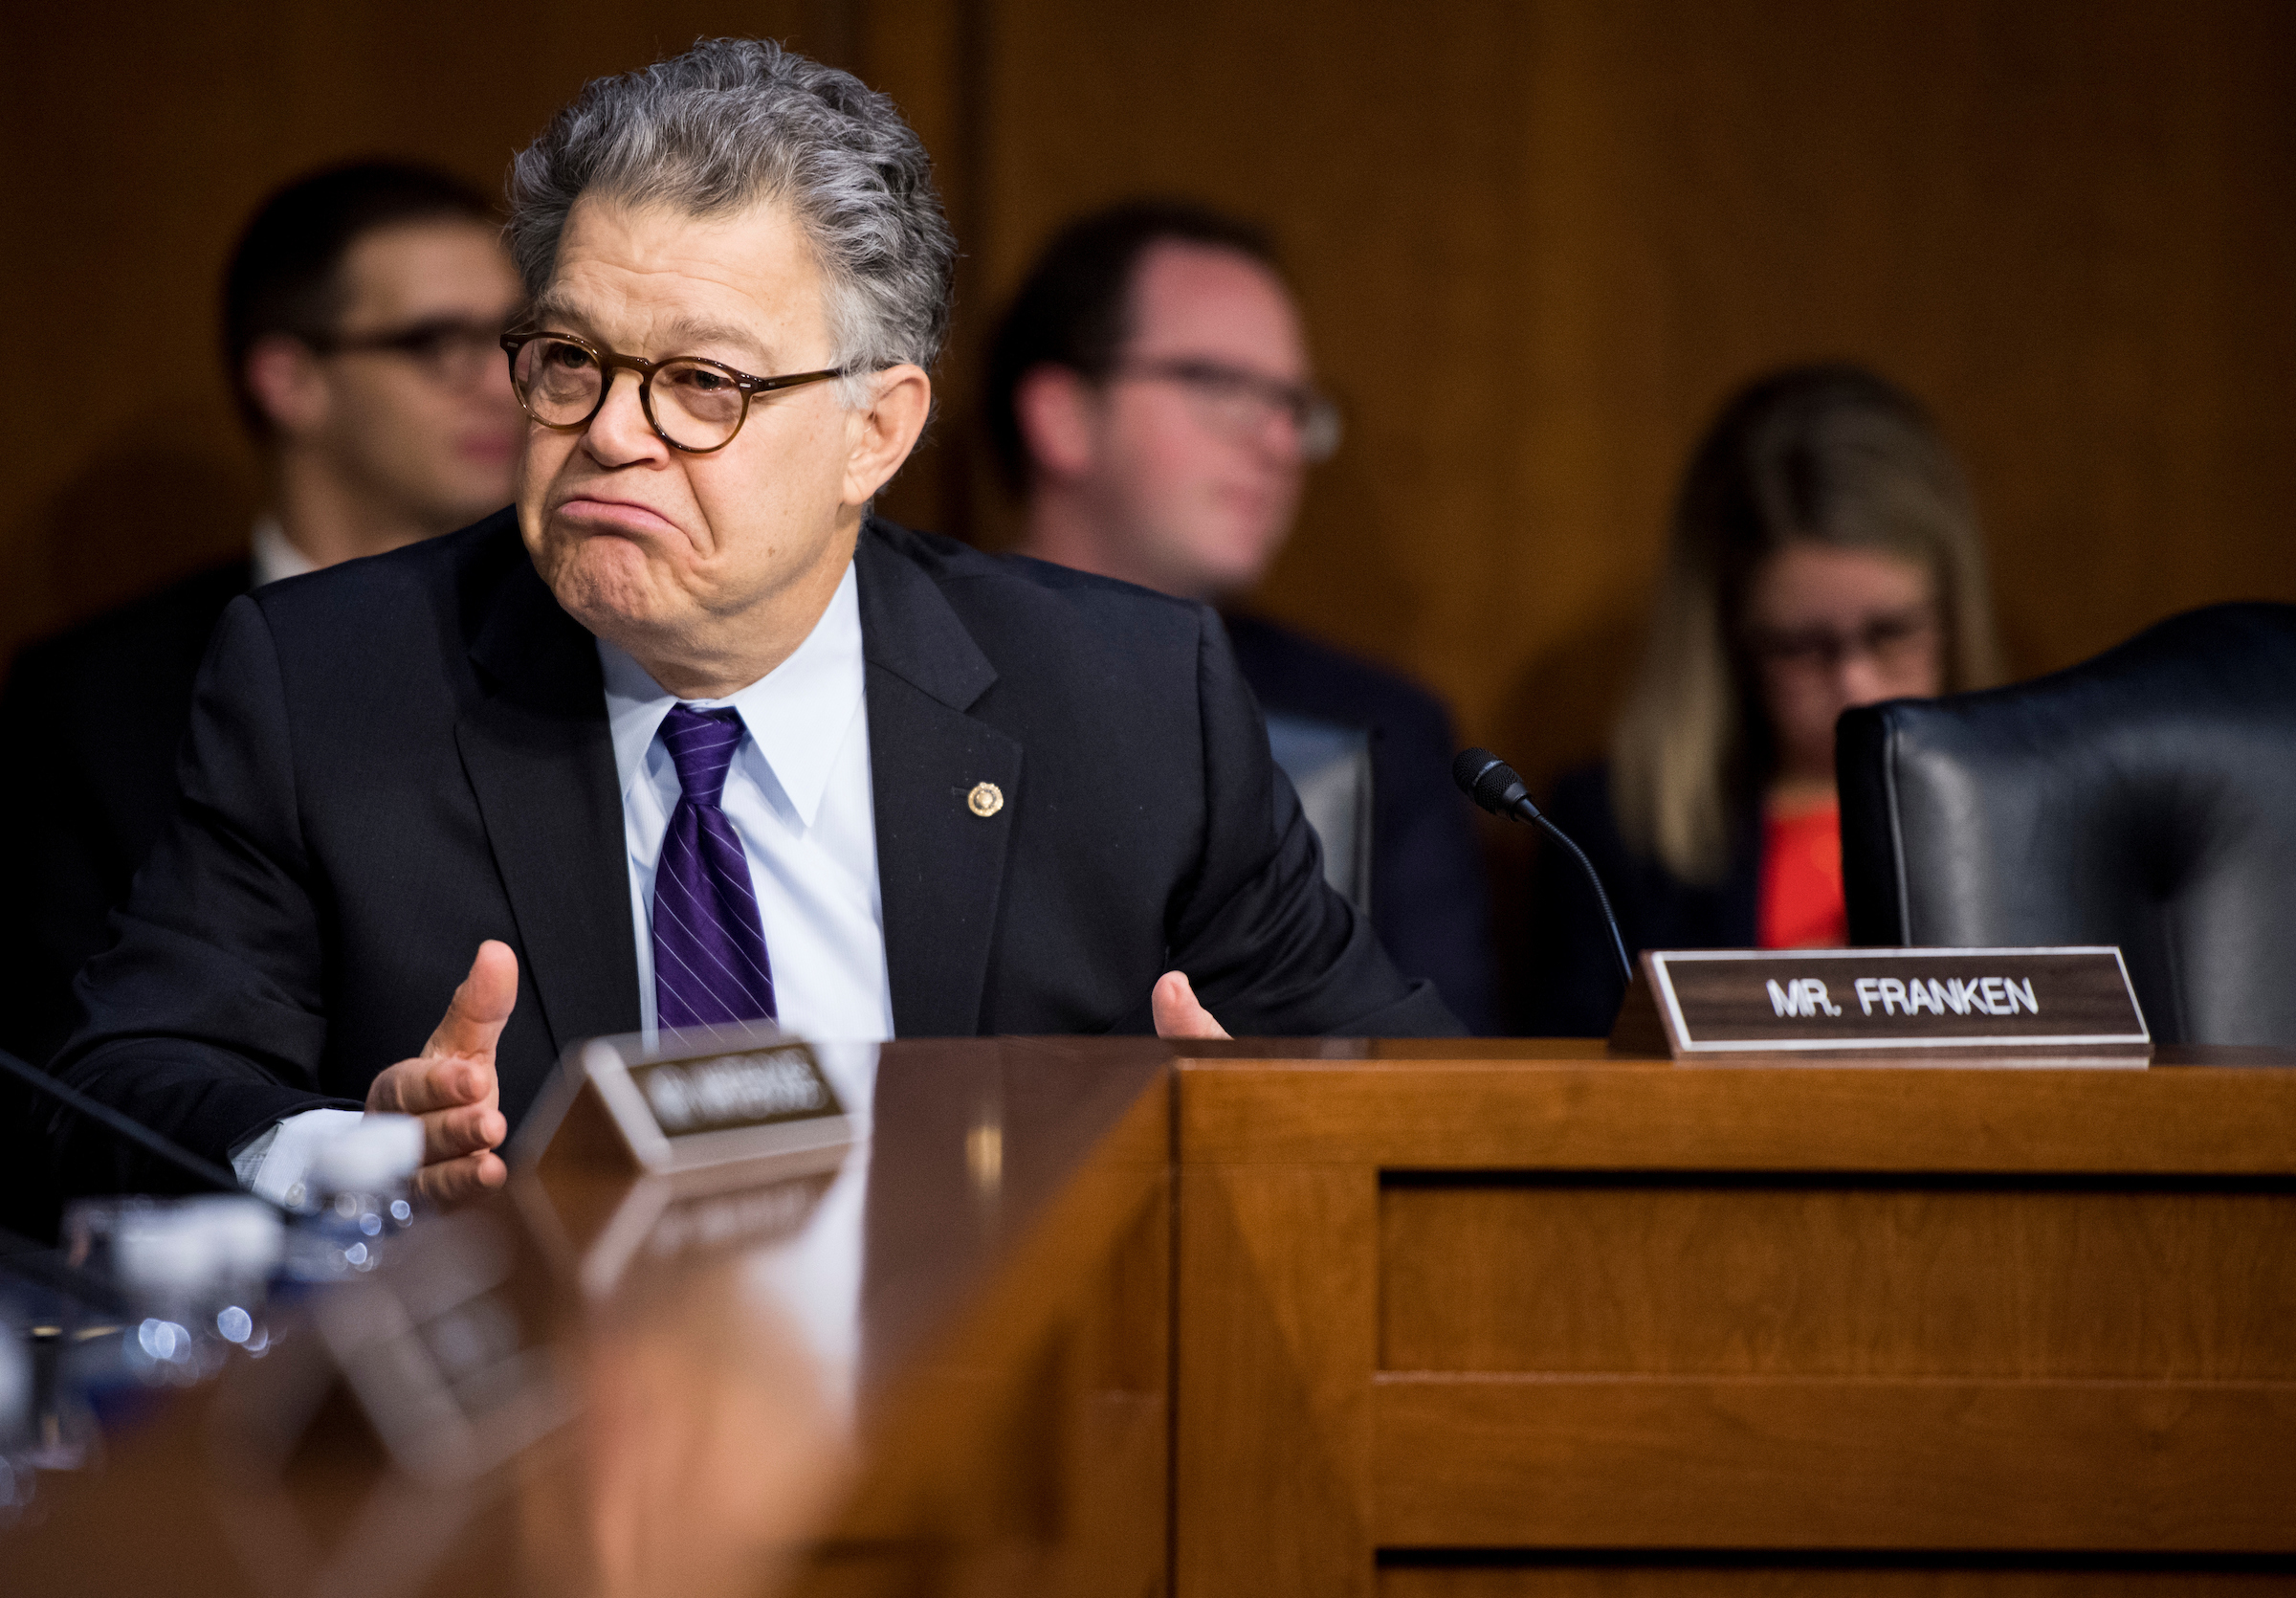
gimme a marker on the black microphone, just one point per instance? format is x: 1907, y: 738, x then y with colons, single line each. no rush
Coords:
x: 208, y: 1173
x: 1493, y: 784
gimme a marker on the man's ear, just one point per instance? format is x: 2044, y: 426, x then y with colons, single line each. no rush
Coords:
x: 288, y: 385
x: 1055, y: 408
x: 886, y: 429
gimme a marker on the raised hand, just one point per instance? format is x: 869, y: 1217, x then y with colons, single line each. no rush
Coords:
x: 452, y: 1087
x: 1177, y: 1013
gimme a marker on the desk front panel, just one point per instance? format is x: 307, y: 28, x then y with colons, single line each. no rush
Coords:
x: 1582, y: 1327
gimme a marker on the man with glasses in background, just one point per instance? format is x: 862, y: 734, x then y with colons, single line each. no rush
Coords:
x: 1149, y: 396
x: 361, y: 312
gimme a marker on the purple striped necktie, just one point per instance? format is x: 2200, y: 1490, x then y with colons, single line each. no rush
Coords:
x: 709, y: 945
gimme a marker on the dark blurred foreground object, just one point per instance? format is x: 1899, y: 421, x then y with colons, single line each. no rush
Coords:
x: 2145, y: 798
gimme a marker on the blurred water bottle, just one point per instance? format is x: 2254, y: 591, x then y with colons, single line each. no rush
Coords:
x: 192, y: 1275
x: 355, y: 1198
x: 197, y: 1269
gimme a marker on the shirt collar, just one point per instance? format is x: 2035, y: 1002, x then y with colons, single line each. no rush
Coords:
x: 274, y: 557
x: 796, y: 714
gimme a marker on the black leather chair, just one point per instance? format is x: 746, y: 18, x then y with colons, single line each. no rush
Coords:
x: 1329, y: 768
x: 2145, y: 798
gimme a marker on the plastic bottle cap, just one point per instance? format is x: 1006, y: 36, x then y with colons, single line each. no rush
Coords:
x: 376, y: 1156
x: 163, y: 1250
x: 183, y: 1245
x: 243, y: 1234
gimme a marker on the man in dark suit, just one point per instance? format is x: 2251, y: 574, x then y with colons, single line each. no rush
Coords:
x: 688, y: 737
x: 1149, y: 395
x: 361, y: 311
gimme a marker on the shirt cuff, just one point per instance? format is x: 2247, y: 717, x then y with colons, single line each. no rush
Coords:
x: 270, y: 1164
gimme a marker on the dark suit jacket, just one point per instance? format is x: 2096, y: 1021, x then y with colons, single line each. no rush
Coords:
x: 395, y: 759
x: 1430, y: 893
x: 99, y: 713
x: 1572, y: 978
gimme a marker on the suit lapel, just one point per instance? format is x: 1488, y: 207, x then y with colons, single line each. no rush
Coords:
x: 940, y: 864
x: 536, y: 750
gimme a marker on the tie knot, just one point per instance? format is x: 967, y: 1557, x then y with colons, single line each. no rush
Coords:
x: 701, y: 745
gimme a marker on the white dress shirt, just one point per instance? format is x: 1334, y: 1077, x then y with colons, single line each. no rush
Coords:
x: 798, y: 793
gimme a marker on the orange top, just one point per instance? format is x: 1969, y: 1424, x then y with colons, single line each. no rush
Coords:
x: 1802, y: 905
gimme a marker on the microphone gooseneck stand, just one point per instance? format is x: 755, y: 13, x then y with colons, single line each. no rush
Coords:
x: 1493, y: 784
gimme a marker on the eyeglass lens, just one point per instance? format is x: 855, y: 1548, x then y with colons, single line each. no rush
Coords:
x: 456, y: 353
x: 695, y: 406
x: 1239, y: 403
x: 1885, y: 638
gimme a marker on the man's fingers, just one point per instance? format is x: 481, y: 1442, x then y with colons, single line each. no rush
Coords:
x: 481, y: 1006
x: 1177, y: 1013
x: 460, y: 1179
x: 426, y: 1086
x: 457, y: 1067
x: 451, y: 1134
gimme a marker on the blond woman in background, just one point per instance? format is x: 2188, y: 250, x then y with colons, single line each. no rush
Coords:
x: 1826, y: 554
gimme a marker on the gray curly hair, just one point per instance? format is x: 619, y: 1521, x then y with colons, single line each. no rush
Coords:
x: 736, y: 122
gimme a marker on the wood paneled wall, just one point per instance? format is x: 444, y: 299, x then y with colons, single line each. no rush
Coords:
x: 1537, y: 241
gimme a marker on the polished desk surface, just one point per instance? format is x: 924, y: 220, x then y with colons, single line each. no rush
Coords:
x: 806, y: 1393
x: 951, y: 1365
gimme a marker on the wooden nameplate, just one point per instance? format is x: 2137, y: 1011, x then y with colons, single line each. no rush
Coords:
x: 707, y: 1108
x: 712, y: 1139
x: 1905, y: 1005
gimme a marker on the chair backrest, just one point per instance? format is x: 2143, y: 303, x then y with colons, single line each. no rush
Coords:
x: 2145, y: 798
x: 1329, y: 766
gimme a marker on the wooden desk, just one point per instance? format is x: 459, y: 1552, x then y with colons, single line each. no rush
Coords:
x: 1524, y: 1319
x: 948, y: 1374
x: 1452, y: 1321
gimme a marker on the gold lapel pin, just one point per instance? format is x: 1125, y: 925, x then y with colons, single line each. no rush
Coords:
x: 985, y: 800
